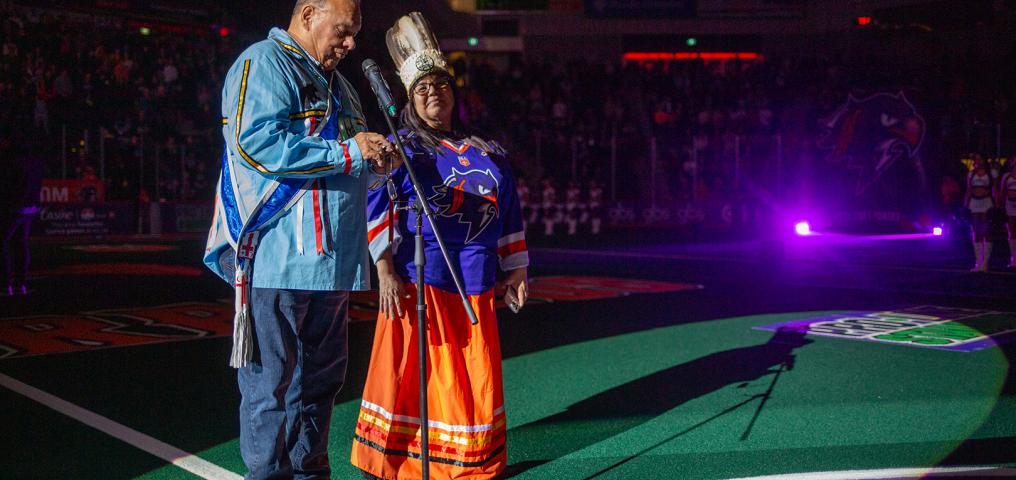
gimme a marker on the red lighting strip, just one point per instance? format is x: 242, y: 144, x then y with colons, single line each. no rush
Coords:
x: 692, y: 55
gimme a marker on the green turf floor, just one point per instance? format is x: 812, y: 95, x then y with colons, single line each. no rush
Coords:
x: 656, y: 386
x: 703, y: 400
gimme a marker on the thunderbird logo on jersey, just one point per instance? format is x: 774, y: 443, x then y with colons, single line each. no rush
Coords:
x: 471, y: 197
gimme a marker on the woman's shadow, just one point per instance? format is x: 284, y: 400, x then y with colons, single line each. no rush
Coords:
x: 626, y: 406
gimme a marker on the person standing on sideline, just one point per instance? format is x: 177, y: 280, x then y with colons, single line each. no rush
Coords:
x: 19, y: 203
x: 1007, y: 197
x: 289, y: 231
x: 979, y: 201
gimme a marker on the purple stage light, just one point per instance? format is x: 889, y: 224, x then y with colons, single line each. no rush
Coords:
x: 802, y: 228
x: 937, y: 231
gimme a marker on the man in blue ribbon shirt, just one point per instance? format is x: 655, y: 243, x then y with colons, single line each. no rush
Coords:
x: 291, y: 199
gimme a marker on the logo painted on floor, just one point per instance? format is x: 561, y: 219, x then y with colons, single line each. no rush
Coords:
x: 926, y: 326
x: 45, y: 334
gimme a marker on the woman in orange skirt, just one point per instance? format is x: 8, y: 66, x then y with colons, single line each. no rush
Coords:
x: 471, y: 189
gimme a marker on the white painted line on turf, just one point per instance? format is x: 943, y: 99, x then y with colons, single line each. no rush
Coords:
x: 187, y: 461
x: 892, y: 473
x: 733, y: 259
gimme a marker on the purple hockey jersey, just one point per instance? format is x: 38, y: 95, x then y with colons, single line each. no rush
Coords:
x: 476, y: 208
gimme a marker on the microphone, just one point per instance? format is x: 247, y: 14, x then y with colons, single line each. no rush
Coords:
x: 379, y: 86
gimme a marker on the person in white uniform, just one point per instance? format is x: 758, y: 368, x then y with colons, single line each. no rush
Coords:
x: 979, y: 200
x: 1007, y: 197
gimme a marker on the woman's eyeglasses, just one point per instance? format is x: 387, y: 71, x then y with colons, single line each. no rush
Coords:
x: 423, y: 88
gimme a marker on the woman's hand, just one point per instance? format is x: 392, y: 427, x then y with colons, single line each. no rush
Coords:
x: 516, y: 288
x: 391, y: 290
x: 390, y: 295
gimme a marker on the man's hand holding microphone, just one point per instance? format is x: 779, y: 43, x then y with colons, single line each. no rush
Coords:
x: 377, y: 150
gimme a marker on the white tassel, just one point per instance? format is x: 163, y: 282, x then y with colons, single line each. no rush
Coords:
x: 299, y: 224
x: 243, y: 339
x: 243, y: 343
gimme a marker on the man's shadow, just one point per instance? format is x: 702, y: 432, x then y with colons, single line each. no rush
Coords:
x: 626, y: 406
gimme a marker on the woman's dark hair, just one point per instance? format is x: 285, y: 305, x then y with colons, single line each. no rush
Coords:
x: 430, y: 138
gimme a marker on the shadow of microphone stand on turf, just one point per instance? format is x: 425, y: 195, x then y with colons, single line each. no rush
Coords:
x: 627, y: 406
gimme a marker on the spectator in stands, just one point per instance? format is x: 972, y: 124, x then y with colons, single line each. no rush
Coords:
x: 41, y: 112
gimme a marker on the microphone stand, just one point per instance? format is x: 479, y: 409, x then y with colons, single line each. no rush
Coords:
x: 421, y: 206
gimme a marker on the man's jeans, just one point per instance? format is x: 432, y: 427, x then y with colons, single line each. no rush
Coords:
x: 289, y: 389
